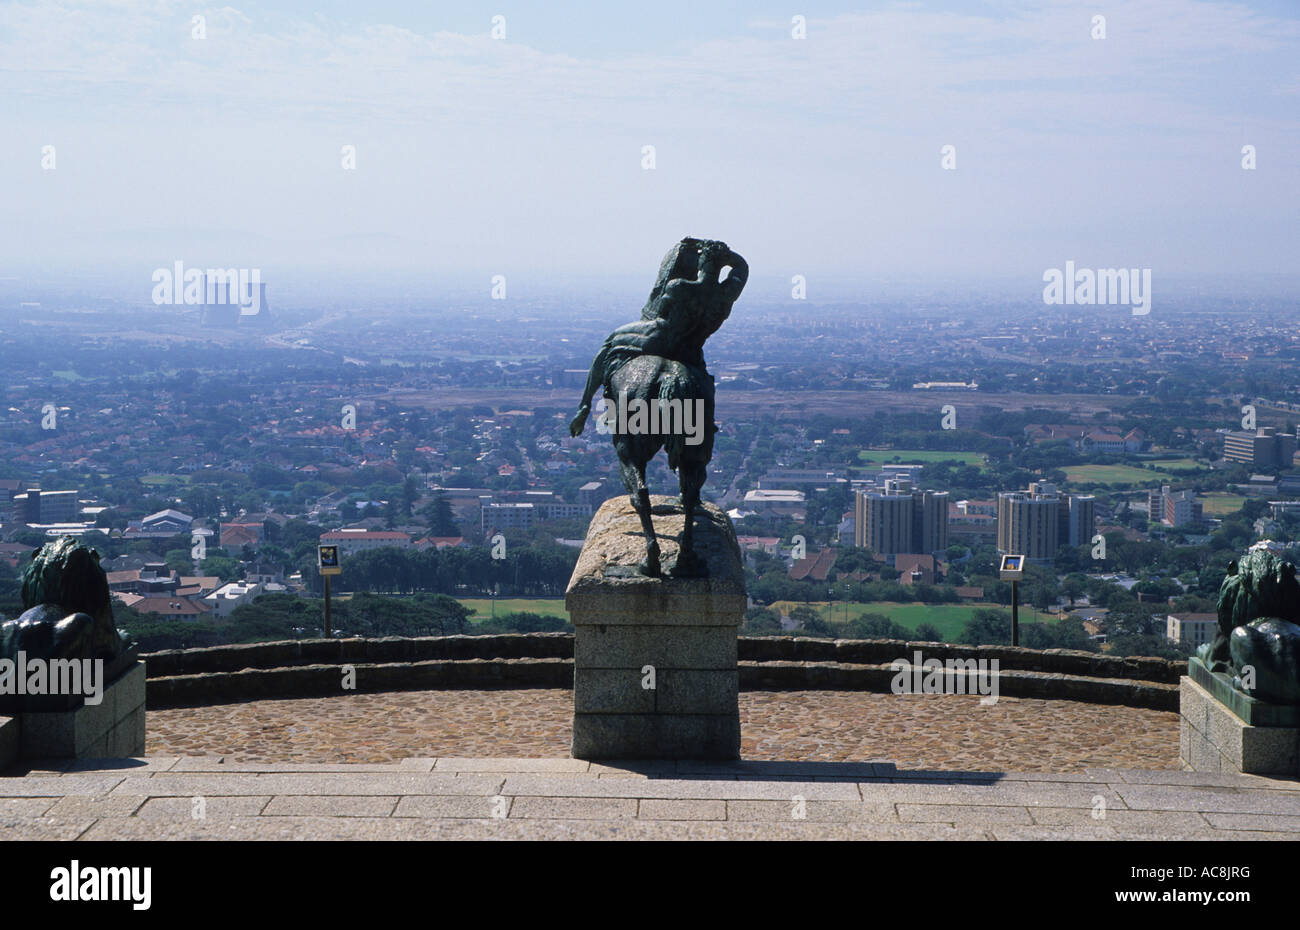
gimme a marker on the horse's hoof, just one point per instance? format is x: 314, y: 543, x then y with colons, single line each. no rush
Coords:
x: 650, y: 566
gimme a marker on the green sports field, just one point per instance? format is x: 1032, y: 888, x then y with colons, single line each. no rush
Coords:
x: 1221, y: 504
x: 1128, y: 474
x: 546, y: 606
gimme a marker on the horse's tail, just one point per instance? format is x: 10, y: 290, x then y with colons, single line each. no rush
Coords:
x: 675, y: 384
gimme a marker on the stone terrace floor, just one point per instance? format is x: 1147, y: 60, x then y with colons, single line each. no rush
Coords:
x: 174, y: 797
x: 934, y: 731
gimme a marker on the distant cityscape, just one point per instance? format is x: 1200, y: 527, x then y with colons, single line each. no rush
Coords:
x: 868, y: 460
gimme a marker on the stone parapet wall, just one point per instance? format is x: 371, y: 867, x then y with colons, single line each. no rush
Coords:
x: 292, y: 653
x: 873, y: 651
x: 312, y: 668
x: 834, y: 676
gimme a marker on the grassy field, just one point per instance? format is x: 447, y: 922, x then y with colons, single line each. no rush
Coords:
x: 546, y: 606
x: 1128, y: 474
x: 1221, y: 503
x: 1174, y: 466
x: 949, y: 619
x: 918, y: 456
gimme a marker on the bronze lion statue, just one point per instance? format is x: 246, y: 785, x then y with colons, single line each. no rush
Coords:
x: 68, y: 612
x: 1258, y: 640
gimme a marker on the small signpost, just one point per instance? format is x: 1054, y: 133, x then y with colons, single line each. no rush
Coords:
x: 327, y: 559
x: 1012, y: 570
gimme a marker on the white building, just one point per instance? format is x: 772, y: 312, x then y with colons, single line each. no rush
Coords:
x: 358, y: 540
x: 229, y: 596
x: 1191, y: 629
x: 785, y: 503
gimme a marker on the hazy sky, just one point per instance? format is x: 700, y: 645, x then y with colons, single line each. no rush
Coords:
x: 523, y: 155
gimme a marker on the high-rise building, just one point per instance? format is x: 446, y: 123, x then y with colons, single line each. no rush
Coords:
x: 1182, y: 508
x: 883, y: 522
x: 901, y: 519
x: 1028, y: 522
x: 1080, y: 521
x: 40, y: 507
x: 1174, y: 508
x: 1262, y: 448
x: 1035, y: 522
x: 930, y: 520
x: 1156, y: 502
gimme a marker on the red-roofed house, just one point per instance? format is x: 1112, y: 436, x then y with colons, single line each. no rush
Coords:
x: 237, y: 535
x: 169, y: 605
x: 914, y: 569
x: 814, y: 568
x: 439, y: 542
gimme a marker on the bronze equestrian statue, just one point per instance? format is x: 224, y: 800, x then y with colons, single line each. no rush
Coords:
x: 654, y: 367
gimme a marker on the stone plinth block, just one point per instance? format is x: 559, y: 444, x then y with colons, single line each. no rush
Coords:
x: 1212, y: 738
x: 9, y: 741
x: 655, y: 674
x: 113, y: 728
x: 1251, y: 710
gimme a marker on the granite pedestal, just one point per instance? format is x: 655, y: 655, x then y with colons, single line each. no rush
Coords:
x: 1222, y: 730
x: 113, y: 728
x: 10, y: 740
x: 655, y: 673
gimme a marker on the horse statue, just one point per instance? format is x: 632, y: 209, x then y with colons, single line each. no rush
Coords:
x: 658, y: 390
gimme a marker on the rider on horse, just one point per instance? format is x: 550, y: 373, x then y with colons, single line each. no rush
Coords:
x: 686, y: 306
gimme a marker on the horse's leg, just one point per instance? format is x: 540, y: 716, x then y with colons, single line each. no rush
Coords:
x: 692, y: 471
x: 633, y: 473
x: 594, y: 382
x: 690, y: 478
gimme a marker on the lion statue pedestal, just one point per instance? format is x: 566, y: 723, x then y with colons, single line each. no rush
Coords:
x: 1239, y: 704
x: 70, y: 686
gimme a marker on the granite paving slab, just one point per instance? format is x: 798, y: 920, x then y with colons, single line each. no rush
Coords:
x: 1210, y: 799
x: 520, y: 798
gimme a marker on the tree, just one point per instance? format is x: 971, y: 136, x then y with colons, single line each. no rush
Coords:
x: 225, y: 568
x: 815, y: 625
x: 810, y: 622
x: 987, y: 628
x: 928, y: 633
x: 410, y: 493
x: 875, y: 626
x: 525, y: 622
x: 1066, y: 634
x: 1073, y: 587
x: 438, y: 514
x: 761, y: 621
x: 179, y: 560
x: 33, y: 538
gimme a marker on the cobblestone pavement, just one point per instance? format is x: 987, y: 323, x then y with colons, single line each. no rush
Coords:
x: 952, y: 732
x: 175, y: 797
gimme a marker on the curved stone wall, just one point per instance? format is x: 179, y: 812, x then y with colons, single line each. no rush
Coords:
x: 314, y: 668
